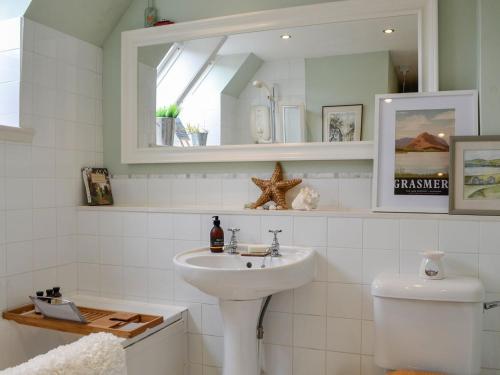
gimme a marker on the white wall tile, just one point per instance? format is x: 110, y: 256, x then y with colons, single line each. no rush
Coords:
x: 381, y: 234
x: 418, y: 235
x: 88, y: 249
x: 345, y: 265
x: 44, y: 223
x: 111, y: 280
x: 160, y: 225
x: 159, y: 192
x: 355, y: 193
x: 345, y: 232
x: 489, y: 237
x: 186, y: 227
x: 277, y: 360
x: 310, y: 299
x: 89, y: 278
x: 19, y: 257
x: 136, y: 281
x: 344, y: 300
x: 342, y: 363
x: 459, y: 236
x: 208, y: 192
x: 278, y: 328
x: 211, y: 320
x: 309, y: 231
x: 343, y: 335
x: 285, y: 223
x: 309, y: 331
x: 19, y: 225
x: 376, y: 262
x: 111, y: 250
x: 308, y: 361
x: 488, y: 272
x: 160, y: 253
x: 213, y: 350
x: 45, y: 253
x: 135, y: 251
x: 161, y: 284
x: 135, y: 224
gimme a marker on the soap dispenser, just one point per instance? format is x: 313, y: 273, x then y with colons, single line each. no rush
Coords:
x: 432, y: 266
x: 216, y: 237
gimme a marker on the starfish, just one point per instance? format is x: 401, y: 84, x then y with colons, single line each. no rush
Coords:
x: 275, y: 188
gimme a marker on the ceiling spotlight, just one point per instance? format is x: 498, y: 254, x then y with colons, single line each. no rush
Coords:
x: 388, y: 31
x: 388, y: 100
x: 441, y: 135
x: 285, y: 36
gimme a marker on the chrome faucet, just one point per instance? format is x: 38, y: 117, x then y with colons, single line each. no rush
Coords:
x: 275, y: 246
x: 233, y: 242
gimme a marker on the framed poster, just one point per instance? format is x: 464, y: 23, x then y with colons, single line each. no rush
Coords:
x: 412, y: 141
x: 475, y: 175
x: 342, y: 123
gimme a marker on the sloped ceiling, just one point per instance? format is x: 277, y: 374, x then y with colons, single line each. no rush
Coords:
x: 89, y: 20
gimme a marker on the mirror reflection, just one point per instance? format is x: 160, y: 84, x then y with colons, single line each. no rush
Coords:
x: 306, y: 84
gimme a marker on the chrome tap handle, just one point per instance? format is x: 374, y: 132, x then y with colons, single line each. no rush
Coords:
x: 275, y: 246
x: 233, y: 242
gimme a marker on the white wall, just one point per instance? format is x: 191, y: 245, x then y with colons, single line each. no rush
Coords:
x: 40, y: 183
x: 325, y: 327
x: 10, y: 71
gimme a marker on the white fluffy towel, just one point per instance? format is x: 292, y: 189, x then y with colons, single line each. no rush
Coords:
x: 95, y: 354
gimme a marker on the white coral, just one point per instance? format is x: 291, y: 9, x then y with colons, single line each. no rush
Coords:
x: 307, y: 199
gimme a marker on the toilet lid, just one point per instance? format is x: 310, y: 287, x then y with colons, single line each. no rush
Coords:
x: 451, y: 289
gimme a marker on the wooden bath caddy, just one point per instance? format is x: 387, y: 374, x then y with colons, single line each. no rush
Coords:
x: 114, y: 322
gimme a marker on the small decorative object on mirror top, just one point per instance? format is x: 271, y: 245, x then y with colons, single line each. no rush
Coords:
x: 307, y: 199
x: 274, y: 189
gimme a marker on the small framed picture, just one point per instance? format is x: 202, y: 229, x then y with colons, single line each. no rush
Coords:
x: 342, y: 123
x: 475, y: 175
x: 412, y: 143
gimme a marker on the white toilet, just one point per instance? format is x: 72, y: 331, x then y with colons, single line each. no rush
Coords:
x: 432, y: 325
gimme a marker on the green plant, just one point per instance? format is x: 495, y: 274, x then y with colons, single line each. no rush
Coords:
x: 195, y: 129
x: 172, y: 111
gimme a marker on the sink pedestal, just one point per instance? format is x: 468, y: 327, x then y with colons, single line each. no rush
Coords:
x: 240, y: 336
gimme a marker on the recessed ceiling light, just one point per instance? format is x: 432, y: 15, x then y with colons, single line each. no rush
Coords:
x: 441, y: 135
x: 388, y: 100
x: 388, y: 31
x: 286, y: 36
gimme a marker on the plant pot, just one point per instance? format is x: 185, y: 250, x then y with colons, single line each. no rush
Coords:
x: 199, y: 139
x: 165, y: 131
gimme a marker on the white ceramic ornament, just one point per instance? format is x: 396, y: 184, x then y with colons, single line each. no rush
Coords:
x: 307, y: 199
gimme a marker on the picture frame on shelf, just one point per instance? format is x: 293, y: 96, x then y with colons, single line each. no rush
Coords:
x: 342, y: 123
x: 412, y: 139
x: 475, y: 175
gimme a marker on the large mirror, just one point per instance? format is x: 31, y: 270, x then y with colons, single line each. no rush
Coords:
x: 300, y: 85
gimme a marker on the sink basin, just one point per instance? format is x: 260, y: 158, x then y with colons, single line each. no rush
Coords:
x: 236, y: 277
x: 241, y: 283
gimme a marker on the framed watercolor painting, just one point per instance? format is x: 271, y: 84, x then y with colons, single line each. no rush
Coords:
x: 412, y: 141
x: 475, y: 175
x: 342, y: 123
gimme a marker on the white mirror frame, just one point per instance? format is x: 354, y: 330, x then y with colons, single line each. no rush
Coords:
x: 340, y: 11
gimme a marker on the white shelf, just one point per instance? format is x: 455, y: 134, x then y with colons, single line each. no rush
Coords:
x: 348, y: 213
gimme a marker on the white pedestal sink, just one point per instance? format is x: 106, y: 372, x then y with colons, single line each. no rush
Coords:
x: 240, y: 283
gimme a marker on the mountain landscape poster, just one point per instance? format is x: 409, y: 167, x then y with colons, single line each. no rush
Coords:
x: 422, y: 151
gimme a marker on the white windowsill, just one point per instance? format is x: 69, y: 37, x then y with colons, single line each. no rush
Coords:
x: 14, y: 134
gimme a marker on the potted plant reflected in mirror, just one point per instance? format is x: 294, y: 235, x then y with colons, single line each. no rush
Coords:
x: 198, y: 136
x: 165, y: 124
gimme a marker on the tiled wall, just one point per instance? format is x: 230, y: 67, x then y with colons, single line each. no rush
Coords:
x: 40, y: 183
x: 10, y: 56
x: 322, y: 328
x: 233, y: 190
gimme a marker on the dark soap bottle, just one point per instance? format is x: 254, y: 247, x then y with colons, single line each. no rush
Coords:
x: 216, y: 237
